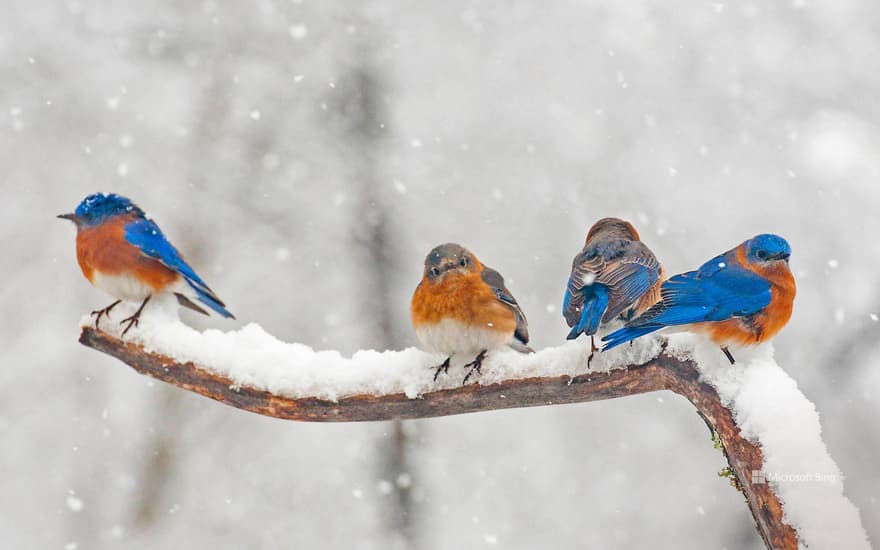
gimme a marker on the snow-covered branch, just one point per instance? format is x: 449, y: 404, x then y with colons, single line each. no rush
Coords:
x: 766, y: 428
x: 505, y: 394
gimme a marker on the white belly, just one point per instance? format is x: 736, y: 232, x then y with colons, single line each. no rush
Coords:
x: 451, y: 337
x: 123, y: 287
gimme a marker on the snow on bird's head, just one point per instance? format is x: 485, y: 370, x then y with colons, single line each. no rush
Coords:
x: 98, y: 207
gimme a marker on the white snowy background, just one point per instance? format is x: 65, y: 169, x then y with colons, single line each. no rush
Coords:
x: 305, y: 156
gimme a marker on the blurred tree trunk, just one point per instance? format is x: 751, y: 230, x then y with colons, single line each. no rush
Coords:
x: 363, y: 127
x: 85, y: 500
x: 162, y: 445
x: 159, y: 461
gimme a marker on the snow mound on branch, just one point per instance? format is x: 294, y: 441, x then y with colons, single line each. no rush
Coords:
x: 252, y: 357
x: 765, y: 401
x: 770, y: 410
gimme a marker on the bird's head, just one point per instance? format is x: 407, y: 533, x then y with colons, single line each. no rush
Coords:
x: 614, y: 227
x: 449, y: 259
x: 767, y: 249
x: 97, y: 208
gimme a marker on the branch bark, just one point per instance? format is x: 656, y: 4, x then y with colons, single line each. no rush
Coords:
x: 664, y: 372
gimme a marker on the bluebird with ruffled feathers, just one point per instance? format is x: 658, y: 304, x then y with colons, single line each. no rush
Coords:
x: 615, y: 274
x: 462, y: 306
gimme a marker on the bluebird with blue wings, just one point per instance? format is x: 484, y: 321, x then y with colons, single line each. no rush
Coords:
x: 124, y: 253
x: 742, y: 297
x: 614, y: 274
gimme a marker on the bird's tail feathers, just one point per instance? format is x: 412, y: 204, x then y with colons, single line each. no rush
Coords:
x: 594, y: 307
x: 520, y: 347
x: 207, y: 297
x: 626, y: 334
x: 187, y: 303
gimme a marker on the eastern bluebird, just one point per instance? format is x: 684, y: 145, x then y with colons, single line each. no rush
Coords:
x: 615, y: 274
x: 462, y: 306
x: 124, y: 253
x: 744, y: 296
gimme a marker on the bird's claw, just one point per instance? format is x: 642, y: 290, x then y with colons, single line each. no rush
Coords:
x: 132, y: 321
x: 474, y: 366
x: 443, y: 367
x: 98, y: 313
x: 593, y: 350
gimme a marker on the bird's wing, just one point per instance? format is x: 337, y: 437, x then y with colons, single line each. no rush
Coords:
x: 146, y: 235
x: 715, y: 295
x: 628, y: 277
x: 149, y: 239
x: 496, y: 283
x: 716, y: 292
x: 584, y: 270
x: 627, y: 268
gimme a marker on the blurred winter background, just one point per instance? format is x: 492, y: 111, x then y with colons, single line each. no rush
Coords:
x: 306, y: 155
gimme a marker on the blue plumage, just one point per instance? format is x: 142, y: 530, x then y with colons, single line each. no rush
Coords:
x: 767, y: 247
x: 210, y: 299
x: 719, y: 290
x: 146, y: 235
x: 98, y: 207
x: 626, y: 334
x: 609, y: 277
x: 595, y: 304
x: 99, y: 210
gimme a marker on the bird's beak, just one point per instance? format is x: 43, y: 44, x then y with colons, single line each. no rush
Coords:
x: 783, y: 256
x: 71, y: 217
x: 449, y: 266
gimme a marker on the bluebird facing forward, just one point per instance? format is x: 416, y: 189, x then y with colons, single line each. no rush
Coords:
x: 125, y: 254
x: 615, y: 274
x: 744, y: 296
x: 462, y: 306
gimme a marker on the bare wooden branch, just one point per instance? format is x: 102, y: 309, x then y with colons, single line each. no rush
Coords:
x: 664, y: 372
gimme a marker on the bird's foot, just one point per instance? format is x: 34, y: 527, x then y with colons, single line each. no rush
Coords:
x: 728, y: 354
x: 593, y: 350
x: 474, y: 366
x: 134, y: 320
x: 444, y: 367
x: 98, y: 313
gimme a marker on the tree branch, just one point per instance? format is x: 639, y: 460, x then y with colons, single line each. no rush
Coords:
x: 664, y: 372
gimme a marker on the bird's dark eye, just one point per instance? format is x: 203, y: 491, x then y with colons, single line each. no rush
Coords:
x: 435, y: 271
x: 762, y: 255
x: 463, y: 262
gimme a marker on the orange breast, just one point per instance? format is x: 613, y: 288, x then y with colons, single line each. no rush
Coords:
x: 733, y: 331
x: 764, y: 325
x: 104, y: 249
x: 784, y: 289
x: 464, y: 298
